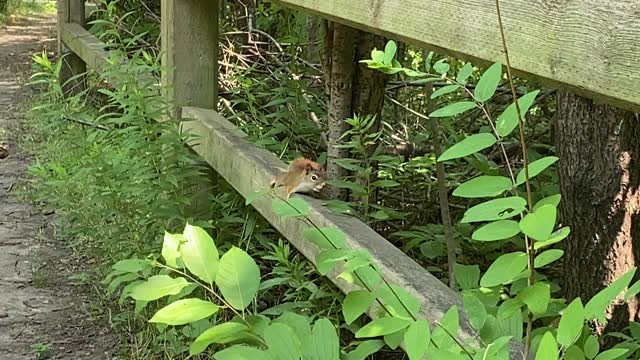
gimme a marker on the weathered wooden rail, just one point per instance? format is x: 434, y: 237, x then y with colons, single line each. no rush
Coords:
x: 587, y: 46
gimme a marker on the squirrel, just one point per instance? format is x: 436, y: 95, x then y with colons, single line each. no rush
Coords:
x: 303, y: 176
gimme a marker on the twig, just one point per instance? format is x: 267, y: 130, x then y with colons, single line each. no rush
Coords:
x: 86, y: 123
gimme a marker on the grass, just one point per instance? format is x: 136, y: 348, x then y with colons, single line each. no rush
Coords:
x: 21, y: 8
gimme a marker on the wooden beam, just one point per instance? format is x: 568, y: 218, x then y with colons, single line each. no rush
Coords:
x: 251, y: 167
x: 590, y: 47
x: 73, y: 69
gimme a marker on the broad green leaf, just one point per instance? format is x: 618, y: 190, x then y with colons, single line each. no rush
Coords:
x: 549, y: 200
x: 508, y: 120
x: 595, y: 308
x: 512, y: 325
x: 283, y: 342
x: 469, y: 145
x: 611, y: 354
x: 483, y: 186
x: 299, y: 323
x: 571, y: 322
x: 441, y: 67
x: 327, y: 259
x: 573, y: 352
x: 464, y: 73
x: 355, y: 304
x: 382, y: 326
x: 540, y: 223
x: 394, y: 340
x: 113, y: 285
x: 508, y: 308
x: 555, y: 237
x: 254, y: 195
x: 219, y: 334
x: 365, y: 349
x: 293, y: 208
x: 467, y: 276
x: 449, y: 325
x: 591, y: 347
x: 444, y: 90
x: 131, y: 265
x: 416, y: 339
x: 345, y: 184
x: 199, y: 253
x: 243, y: 352
x: 399, y: 299
x: 504, y: 269
x: 475, y: 310
x: 238, y: 278
x: 184, y: 311
x: 488, y: 83
x: 325, y: 237
x: 632, y: 291
x: 324, y: 344
x: 536, y: 297
x: 389, y: 52
x: 158, y: 286
x: 535, y: 168
x: 170, y: 247
x: 497, y: 230
x: 548, y: 348
x: 547, y: 257
x: 453, y: 109
x: 491, y: 330
x: 497, y: 209
x: 377, y: 56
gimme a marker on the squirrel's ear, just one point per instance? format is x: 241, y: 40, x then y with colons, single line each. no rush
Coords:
x: 308, y: 168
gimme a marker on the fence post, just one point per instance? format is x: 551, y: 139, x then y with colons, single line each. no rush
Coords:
x: 189, y: 39
x: 71, y: 11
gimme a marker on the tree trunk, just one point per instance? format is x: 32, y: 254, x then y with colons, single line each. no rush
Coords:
x: 599, y: 173
x: 342, y: 53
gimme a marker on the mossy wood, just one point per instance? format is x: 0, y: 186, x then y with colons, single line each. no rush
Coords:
x: 590, y: 47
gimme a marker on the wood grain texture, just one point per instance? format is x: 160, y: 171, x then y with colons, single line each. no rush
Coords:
x: 590, y: 47
x: 251, y: 168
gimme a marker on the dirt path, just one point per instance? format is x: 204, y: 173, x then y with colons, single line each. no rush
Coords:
x: 43, y: 314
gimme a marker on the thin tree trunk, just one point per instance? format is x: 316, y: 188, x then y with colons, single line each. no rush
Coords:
x: 599, y: 173
x: 342, y: 54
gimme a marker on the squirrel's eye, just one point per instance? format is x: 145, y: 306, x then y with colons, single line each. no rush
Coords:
x: 314, y: 177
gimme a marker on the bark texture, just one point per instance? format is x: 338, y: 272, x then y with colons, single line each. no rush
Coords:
x: 598, y: 146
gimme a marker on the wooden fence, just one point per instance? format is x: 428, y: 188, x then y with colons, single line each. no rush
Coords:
x: 589, y: 46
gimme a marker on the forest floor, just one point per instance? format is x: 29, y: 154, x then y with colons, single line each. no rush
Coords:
x: 45, y: 307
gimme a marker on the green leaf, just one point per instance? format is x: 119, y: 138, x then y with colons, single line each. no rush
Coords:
x: 158, y: 286
x: 548, y: 348
x: 382, y: 326
x: 497, y: 230
x: 394, y: 340
x: 355, y: 304
x: 467, y: 276
x: 496, y: 209
x: 573, y: 352
x: 365, y: 349
x: 252, y: 196
x: 389, y: 52
x: 295, y: 207
x: 536, y: 297
x: 632, y: 291
x: 131, y: 265
x: 547, y: 257
x: 453, y: 109
x: 416, y: 339
x: 444, y: 90
x: 470, y: 144
x: 325, y: 343
x: 327, y: 259
x: 555, y: 237
x: 377, y: 56
x: 238, y: 278
x: 571, y: 322
x: 449, y: 325
x: 219, y: 334
x: 504, y: 269
x: 508, y: 120
x: 385, y: 183
x: 283, y: 342
x: 591, y: 347
x: 483, y: 186
x: 540, y: 223
x: 549, y: 200
x: 611, y: 354
x: 170, y: 247
x: 595, y: 308
x: 325, y: 237
x: 243, y: 352
x: 441, y: 67
x: 199, y: 253
x: 464, y: 73
x: 475, y: 310
x: 535, y: 168
x: 184, y: 311
x: 488, y: 83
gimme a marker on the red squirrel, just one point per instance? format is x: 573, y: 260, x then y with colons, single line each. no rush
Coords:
x: 303, y: 176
